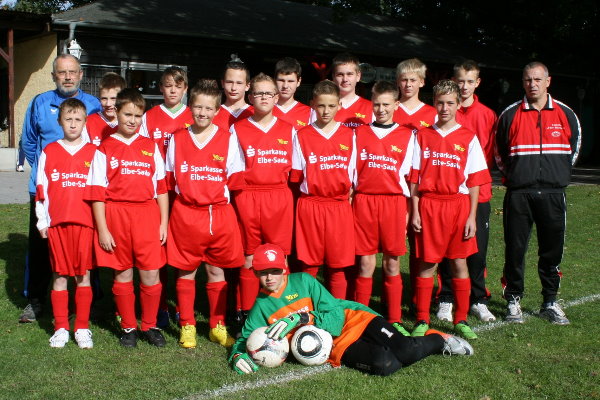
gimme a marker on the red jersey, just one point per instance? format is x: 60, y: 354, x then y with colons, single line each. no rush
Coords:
x: 61, y: 179
x: 421, y: 116
x: 481, y: 120
x: 448, y: 162
x: 227, y: 117
x: 324, y: 162
x: 298, y: 115
x: 159, y: 123
x: 198, y: 172
x: 267, y: 151
x: 130, y: 170
x: 360, y: 112
x: 384, y: 158
x: 97, y: 128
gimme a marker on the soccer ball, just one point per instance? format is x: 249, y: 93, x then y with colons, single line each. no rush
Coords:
x: 311, y: 345
x: 265, y: 351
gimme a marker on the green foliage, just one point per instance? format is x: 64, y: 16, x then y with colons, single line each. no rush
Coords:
x: 47, y: 6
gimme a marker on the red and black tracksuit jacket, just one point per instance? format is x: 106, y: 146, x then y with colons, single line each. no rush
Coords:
x: 535, y: 149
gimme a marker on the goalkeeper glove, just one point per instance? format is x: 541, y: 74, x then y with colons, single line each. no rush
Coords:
x: 280, y: 328
x: 243, y: 364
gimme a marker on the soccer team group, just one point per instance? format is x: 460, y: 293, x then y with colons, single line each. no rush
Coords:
x: 239, y: 187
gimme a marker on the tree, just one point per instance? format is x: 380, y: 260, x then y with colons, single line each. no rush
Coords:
x: 47, y: 6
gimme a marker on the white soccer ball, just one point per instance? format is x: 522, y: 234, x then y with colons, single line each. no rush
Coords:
x: 311, y: 345
x: 265, y: 351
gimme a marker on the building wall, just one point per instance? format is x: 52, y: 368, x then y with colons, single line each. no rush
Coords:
x: 33, y: 65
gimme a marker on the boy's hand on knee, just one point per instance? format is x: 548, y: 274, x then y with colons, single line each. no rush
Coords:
x: 243, y: 364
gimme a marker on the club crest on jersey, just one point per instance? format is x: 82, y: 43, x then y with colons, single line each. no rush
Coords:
x: 555, y: 134
x: 217, y: 157
x: 396, y: 149
x: 291, y: 297
x: 281, y: 141
x: 459, y: 147
x: 87, y: 164
x: 147, y: 153
x: 301, y: 123
x: 250, y: 152
x: 54, y: 175
x: 184, y: 167
x: 157, y: 134
x: 363, y: 154
x: 359, y: 115
x: 425, y: 124
x: 114, y: 163
x: 344, y: 147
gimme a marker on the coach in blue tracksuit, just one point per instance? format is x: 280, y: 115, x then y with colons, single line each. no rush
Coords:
x: 39, y: 129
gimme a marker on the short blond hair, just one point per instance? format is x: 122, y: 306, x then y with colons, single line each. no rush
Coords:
x: 446, y: 86
x: 381, y: 87
x: 262, y: 77
x: 412, y: 65
x: 326, y: 87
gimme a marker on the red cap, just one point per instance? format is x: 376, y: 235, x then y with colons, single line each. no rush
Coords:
x: 268, y: 256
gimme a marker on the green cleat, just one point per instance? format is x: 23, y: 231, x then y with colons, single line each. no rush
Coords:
x: 420, y: 329
x: 400, y: 328
x: 463, y: 329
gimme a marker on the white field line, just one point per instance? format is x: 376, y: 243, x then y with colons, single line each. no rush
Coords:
x: 304, y: 373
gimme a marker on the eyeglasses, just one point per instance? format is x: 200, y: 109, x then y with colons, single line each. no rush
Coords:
x: 268, y: 95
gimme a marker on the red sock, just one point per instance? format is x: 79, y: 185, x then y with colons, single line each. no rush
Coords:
x: 462, y: 292
x: 164, y: 280
x: 186, y: 297
x: 149, y: 300
x: 337, y: 282
x: 83, y: 303
x: 313, y: 270
x: 392, y: 287
x: 424, y: 287
x: 248, y: 288
x: 364, y: 288
x: 217, y: 302
x: 125, y: 301
x: 60, y: 308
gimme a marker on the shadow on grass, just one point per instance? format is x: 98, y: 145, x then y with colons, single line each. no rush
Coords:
x: 13, y: 252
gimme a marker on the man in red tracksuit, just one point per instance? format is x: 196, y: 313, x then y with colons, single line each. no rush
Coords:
x: 537, y: 142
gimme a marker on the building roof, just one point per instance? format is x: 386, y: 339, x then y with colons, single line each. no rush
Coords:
x: 266, y: 22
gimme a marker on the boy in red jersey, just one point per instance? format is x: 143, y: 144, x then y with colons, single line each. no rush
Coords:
x: 323, y: 162
x: 384, y: 151
x: 288, y: 74
x: 235, y: 83
x: 104, y: 123
x: 159, y: 123
x: 162, y: 120
x: 480, y: 119
x: 410, y: 77
x: 448, y: 168
x: 130, y: 205
x: 362, y: 339
x: 264, y: 206
x: 354, y: 110
x: 65, y: 219
x: 203, y: 225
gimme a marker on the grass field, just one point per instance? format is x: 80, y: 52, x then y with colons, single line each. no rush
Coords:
x: 535, y: 360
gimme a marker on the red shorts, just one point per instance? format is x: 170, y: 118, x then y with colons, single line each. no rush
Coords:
x: 204, y: 234
x: 325, y: 232
x: 70, y: 249
x: 135, y: 228
x: 443, y: 220
x: 379, y: 224
x: 265, y: 216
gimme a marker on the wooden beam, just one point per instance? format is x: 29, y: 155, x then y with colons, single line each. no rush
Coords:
x: 12, y: 135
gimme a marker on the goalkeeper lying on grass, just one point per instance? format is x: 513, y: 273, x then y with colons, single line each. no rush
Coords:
x: 362, y: 339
